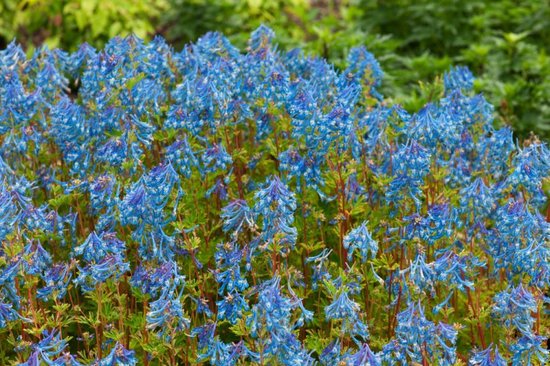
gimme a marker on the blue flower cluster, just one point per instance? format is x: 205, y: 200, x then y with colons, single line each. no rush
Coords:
x: 163, y: 207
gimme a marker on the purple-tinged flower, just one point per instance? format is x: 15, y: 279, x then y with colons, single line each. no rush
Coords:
x: 182, y: 157
x: 204, y: 333
x: 38, y: 259
x: 50, y: 346
x: 216, y: 158
x: 114, y: 151
x: 119, y: 356
x: 487, y: 357
x: 56, y: 280
x: 331, y: 354
x: 529, y: 348
x: 103, y: 192
x: 133, y: 207
x: 96, y: 247
x: 364, y: 357
x: 514, y: 308
x: 153, y: 280
x: 219, y: 189
x: 110, y: 266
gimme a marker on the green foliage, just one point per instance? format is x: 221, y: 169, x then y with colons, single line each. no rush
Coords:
x: 68, y: 23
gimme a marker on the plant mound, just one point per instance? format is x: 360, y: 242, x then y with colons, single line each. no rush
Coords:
x: 261, y: 207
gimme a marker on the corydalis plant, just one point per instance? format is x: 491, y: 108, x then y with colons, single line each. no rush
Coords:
x: 258, y: 206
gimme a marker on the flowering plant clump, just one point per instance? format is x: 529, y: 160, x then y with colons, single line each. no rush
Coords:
x: 261, y: 207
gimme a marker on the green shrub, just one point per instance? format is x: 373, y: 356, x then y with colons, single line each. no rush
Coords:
x: 68, y: 23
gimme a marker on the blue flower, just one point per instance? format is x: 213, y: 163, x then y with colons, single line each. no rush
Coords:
x: 364, y: 68
x: 56, y: 280
x: 260, y: 40
x: 364, y: 357
x: 96, y: 247
x: 319, y: 266
x: 7, y: 314
x: 235, y: 215
x: 346, y: 310
x: 514, y: 308
x: 182, y: 157
x: 232, y: 307
x: 228, y: 272
x: 111, y: 265
x: 119, y: 356
x: 411, y: 160
x: 49, y: 347
x: 39, y: 260
x: 418, y: 339
x: 342, y: 308
x: 421, y: 274
x: 305, y: 169
x: 487, y: 358
x: 529, y: 348
x: 216, y: 158
x: 459, y: 77
x: 114, y: 151
x: 531, y: 166
x: 360, y: 238
x: 454, y: 270
x: 155, y: 279
x: 166, y: 313
x: 477, y: 199
x: 275, y: 204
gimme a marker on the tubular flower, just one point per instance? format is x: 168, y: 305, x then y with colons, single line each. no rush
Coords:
x: 361, y: 239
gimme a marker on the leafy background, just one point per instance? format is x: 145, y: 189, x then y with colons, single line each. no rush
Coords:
x: 504, y: 42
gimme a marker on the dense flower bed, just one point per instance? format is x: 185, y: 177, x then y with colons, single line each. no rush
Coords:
x: 162, y: 208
